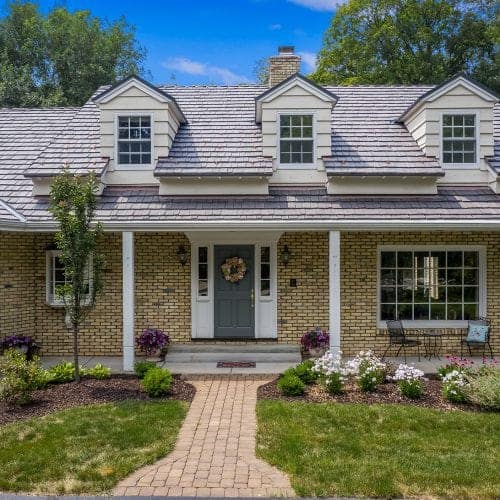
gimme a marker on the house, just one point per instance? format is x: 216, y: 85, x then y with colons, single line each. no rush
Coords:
x: 345, y: 206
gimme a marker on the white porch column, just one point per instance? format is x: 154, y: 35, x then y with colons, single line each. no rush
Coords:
x: 334, y: 287
x: 128, y: 300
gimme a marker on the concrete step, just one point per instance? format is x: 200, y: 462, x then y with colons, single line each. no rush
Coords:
x: 206, y: 357
x: 195, y: 347
x: 200, y: 369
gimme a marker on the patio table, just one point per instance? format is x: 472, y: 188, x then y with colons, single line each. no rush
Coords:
x: 433, y: 343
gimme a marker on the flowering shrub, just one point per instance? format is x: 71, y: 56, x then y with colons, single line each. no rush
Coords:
x: 455, y: 386
x: 14, y: 341
x: 409, y: 380
x: 332, y: 373
x: 455, y: 364
x: 315, y: 339
x: 152, y: 340
x: 368, y: 370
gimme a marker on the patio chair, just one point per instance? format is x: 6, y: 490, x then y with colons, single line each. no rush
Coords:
x: 397, y: 337
x: 468, y: 340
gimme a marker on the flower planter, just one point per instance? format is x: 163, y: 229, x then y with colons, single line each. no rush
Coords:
x: 317, y: 352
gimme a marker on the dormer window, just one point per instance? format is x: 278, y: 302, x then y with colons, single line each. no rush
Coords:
x: 459, y: 140
x: 296, y: 139
x: 134, y: 140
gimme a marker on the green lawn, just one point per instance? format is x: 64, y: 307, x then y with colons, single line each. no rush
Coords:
x: 86, y: 449
x: 381, y: 450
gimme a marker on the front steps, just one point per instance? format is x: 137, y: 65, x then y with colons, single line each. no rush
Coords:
x: 202, y: 358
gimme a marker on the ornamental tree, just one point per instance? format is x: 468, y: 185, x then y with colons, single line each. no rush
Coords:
x: 72, y: 203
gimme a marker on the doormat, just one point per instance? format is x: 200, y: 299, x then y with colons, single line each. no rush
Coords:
x: 235, y: 364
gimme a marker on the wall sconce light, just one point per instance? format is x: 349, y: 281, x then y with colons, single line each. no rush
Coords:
x: 285, y: 256
x: 182, y: 255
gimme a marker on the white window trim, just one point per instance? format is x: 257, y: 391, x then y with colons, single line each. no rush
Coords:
x: 296, y: 166
x: 481, y: 249
x: 50, y: 296
x: 476, y: 137
x: 134, y: 166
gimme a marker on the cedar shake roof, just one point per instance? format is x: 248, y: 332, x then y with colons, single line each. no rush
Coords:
x: 221, y: 138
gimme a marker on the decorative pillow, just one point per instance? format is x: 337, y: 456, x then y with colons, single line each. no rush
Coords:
x: 477, y: 333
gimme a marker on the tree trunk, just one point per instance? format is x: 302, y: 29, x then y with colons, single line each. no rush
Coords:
x: 75, y: 352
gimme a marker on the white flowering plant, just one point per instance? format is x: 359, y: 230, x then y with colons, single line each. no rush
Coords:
x: 331, y: 372
x: 409, y: 380
x: 455, y: 386
x: 368, y: 370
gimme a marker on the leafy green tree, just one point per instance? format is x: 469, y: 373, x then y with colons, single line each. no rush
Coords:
x: 72, y: 203
x: 261, y: 70
x: 410, y: 42
x: 63, y: 57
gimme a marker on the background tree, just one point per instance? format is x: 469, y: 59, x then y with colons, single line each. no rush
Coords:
x: 411, y: 42
x: 72, y: 203
x: 63, y: 57
x: 261, y: 70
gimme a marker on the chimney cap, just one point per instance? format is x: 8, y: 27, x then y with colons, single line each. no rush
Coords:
x: 286, y: 50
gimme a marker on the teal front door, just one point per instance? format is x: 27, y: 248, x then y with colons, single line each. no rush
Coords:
x: 234, y: 302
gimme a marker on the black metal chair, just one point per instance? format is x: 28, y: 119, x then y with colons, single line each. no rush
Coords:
x: 476, y: 343
x: 397, y: 337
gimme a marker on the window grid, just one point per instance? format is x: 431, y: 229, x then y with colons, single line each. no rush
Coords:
x: 203, y: 272
x: 459, y: 139
x: 446, y: 289
x: 265, y: 271
x: 296, y: 139
x: 134, y: 140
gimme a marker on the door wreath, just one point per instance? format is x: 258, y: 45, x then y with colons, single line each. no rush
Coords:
x: 234, y: 269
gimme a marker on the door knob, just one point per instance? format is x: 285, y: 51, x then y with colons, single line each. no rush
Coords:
x: 252, y: 297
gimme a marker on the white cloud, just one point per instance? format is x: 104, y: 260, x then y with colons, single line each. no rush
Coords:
x: 223, y: 75
x: 309, y: 59
x: 275, y: 27
x: 323, y: 5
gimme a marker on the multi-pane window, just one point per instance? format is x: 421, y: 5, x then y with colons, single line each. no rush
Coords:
x: 134, y: 140
x: 429, y: 285
x: 296, y: 139
x: 202, y: 272
x: 265, y: 271
x: 459, y: 139
x: 56, y: 277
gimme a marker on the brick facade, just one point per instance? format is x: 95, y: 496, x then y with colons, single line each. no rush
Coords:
x: 163, y: 288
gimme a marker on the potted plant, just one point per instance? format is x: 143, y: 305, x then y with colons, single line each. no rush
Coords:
x: 21, y: 343
x: 153, y: 342
x: 315, y: 342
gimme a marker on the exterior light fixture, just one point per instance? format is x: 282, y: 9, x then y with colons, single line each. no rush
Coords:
x: 182, y: 255
x: 285, y: 256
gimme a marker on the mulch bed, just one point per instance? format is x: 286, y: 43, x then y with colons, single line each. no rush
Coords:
x: 385, y: 393
x: 89, y: 391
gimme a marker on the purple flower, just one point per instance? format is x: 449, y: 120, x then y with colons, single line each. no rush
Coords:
x: 315, y: 338
x: 13, y: 341
x: 151, y: 340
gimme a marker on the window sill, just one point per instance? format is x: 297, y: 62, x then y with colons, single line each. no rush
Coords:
x: 134, y: 167
x: 428, y: 324
x: 461, y: 166
x: 297, y: 166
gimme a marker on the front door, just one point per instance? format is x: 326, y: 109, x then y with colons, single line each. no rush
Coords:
x: 234, y: 302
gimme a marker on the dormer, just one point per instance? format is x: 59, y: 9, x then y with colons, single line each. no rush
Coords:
x: 454, y: 124
x: 138, y: 123
x: 296, y: 116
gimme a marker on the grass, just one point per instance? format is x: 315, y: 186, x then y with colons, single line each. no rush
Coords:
x: 86, y: 449
x: 381, y: 450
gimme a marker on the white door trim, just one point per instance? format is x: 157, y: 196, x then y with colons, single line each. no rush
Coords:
x: 202, y: 307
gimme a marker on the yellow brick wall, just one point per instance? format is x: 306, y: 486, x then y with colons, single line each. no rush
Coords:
x: 163, y: 285
x: 305, y: 306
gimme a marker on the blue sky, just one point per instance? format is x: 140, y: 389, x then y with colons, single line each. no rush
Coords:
x: 195, y: 41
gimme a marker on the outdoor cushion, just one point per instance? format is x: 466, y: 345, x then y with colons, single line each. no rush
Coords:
x: 477, y: 333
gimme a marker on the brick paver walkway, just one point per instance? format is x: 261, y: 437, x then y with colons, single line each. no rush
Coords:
x: 215, y: 450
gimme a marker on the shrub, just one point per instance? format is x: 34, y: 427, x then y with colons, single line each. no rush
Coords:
x: 454, y: 386
x: 142, y: 367
x: 368, y: 370
x: 315, y: 339
x: 455, y: 364
x: 291, y: 385
x: 305, y: 372
x: 157, y: 382
x: 13, y: 341
x: 152, y: 340
x: 19, y: 378
x: 99, y: 372
x: 62, y: 372
x: 484, y: 390
x: 334, y: 383
x: 331, y: 372
x: 409, y: 380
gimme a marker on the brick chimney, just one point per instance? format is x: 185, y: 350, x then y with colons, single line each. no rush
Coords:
x: 285, y: 64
